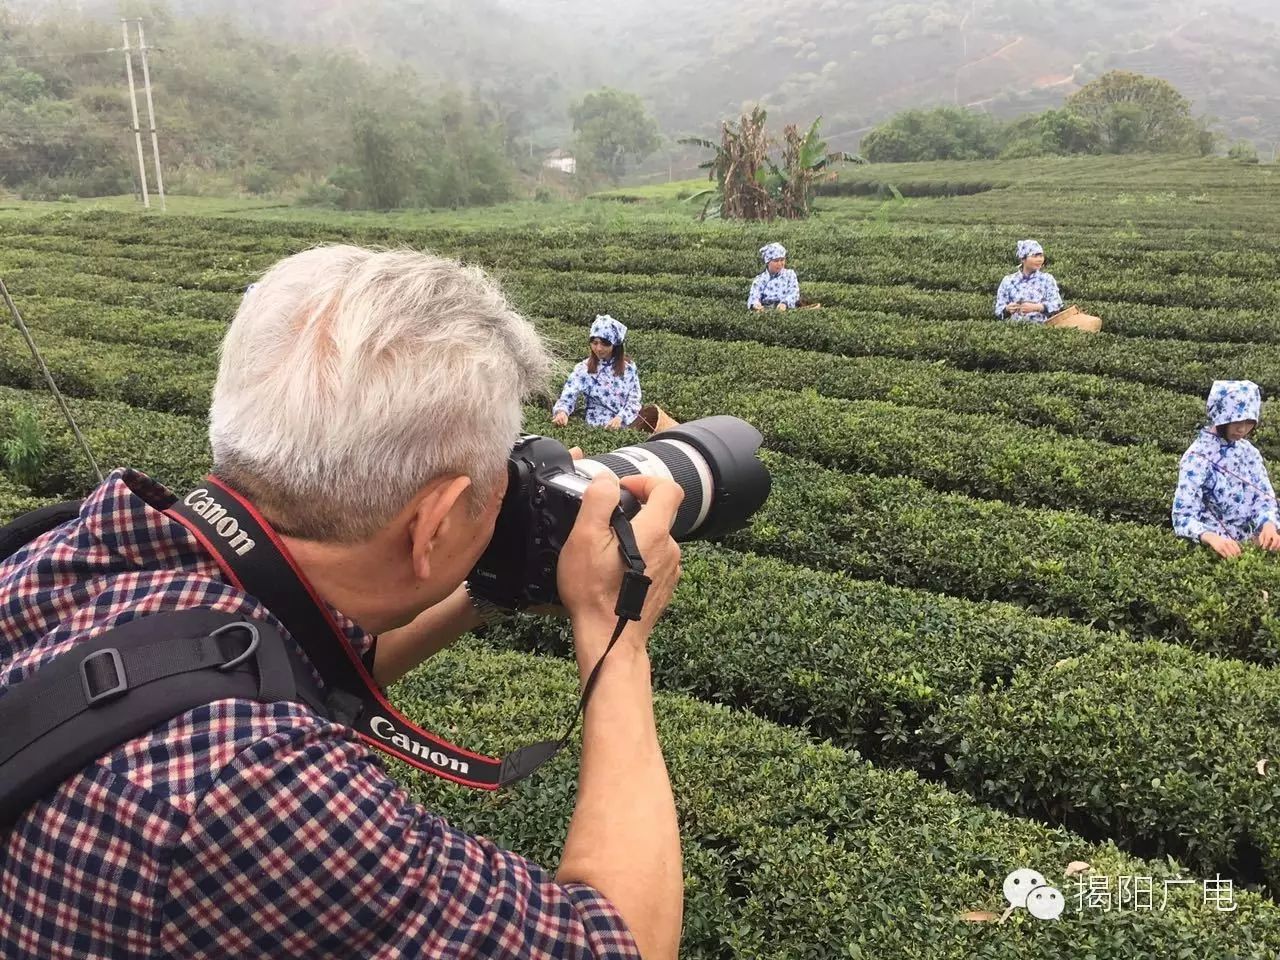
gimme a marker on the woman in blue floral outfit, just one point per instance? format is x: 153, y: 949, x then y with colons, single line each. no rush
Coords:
x: 1029, y: 295
x: 1224, y: 496
x: 607, y: 378
x: 776, y: 286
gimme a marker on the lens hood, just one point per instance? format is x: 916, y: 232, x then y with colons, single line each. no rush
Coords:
x: 742, y: 483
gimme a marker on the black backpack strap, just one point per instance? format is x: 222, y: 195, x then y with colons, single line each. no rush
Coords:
x: 19, y: 532
x: 108, y: 690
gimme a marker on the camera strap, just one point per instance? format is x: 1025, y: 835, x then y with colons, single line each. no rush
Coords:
x: 255, y: 560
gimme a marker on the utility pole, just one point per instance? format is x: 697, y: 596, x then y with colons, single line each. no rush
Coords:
x: 151, y: 112
x: 133, y: 107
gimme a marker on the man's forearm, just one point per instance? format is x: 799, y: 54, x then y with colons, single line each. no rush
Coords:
x: 624, y: 839
x: 402, y: 649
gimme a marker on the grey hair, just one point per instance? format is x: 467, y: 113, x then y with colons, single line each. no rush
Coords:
x: 350, y: 378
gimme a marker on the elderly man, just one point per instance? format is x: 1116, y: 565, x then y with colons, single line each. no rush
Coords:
x: 1030, y: 295
x: 364, y: 409
x: 776, y: 286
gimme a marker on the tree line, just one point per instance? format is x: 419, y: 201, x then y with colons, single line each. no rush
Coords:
x: 238, y: 114
x: 1118, y: 113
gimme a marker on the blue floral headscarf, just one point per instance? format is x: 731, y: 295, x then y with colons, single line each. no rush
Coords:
x: 772, y: 251
x: 1233, y: 400
x: 607, y: 328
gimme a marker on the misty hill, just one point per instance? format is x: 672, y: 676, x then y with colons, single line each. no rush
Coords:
x: 238, y: 111
x: 854, y: 61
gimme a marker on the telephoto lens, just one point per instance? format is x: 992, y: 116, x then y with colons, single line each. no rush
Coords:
x: 713, y: 459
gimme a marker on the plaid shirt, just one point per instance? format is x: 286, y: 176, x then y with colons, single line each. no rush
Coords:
x: 238, y: 829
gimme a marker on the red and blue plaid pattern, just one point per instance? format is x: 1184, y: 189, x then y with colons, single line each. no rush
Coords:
x: 238, y: 829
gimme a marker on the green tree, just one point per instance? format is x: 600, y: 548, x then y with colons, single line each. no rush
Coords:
x: 738, y: 169
x: 383, y: 156
x: 750, y: 184
x: 806, y: 162
x: 944, y: 133
x: 1048, y: 133
x: 1243, y: 151
x: 1131, y: 113
x: 23, y: 448
x: 1065, y: 132
x: 465, y: 158
x: 613, y: 129
x: 237, y: 108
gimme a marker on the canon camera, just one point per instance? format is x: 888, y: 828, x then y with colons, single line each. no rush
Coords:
x: 714, y: 460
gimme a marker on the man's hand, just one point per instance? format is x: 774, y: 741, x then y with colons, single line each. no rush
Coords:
x: 590, y: 570
x: 624, y: 838
x: 614, y: 424
x: 1269, y: 537
x: 560, y: 419
x: 1224, y: 547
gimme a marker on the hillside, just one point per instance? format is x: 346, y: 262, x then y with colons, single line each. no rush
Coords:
x: 240, y: 111
x: 854, y: 61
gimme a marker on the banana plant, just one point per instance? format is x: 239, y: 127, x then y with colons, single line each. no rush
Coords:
x: 806, y: 162
x: 738, y: 167
x: 749, y: 184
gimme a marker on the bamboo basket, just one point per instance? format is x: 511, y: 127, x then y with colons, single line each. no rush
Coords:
x: 1075, y: 319
x: 653, y: 419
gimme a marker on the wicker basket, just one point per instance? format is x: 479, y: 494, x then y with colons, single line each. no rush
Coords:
x: 1076, y: 319
x: 653, y: 419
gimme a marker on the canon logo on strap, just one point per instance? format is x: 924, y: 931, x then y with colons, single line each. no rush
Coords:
x: 215, y: 514
x: 383, y: 729
x: 254, y: 559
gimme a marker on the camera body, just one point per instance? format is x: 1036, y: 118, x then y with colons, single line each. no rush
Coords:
x: 518, y: 568
x: 713, y: 460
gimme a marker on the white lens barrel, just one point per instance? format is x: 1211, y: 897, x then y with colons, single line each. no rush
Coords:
x: 671, y: 460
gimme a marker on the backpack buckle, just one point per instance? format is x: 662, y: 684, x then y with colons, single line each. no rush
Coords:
x: 102, y: 676
x: 254, y: 639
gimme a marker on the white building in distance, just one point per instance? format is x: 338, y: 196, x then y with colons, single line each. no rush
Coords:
x: 560, y: 160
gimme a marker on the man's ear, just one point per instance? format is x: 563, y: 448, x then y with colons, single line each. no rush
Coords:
x: 429, y: 521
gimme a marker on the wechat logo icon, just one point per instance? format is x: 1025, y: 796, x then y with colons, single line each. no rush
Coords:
x: 1027, y: 888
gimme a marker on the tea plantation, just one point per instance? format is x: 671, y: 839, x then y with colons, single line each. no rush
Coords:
x: 959, y: 639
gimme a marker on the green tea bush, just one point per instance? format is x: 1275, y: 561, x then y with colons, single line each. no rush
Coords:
x: 979, y: 455
x: 15, y: 499
x: 1135, y: 740
x: 799, y: 850
x: 1075, y: 404
x: 987, y: 345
